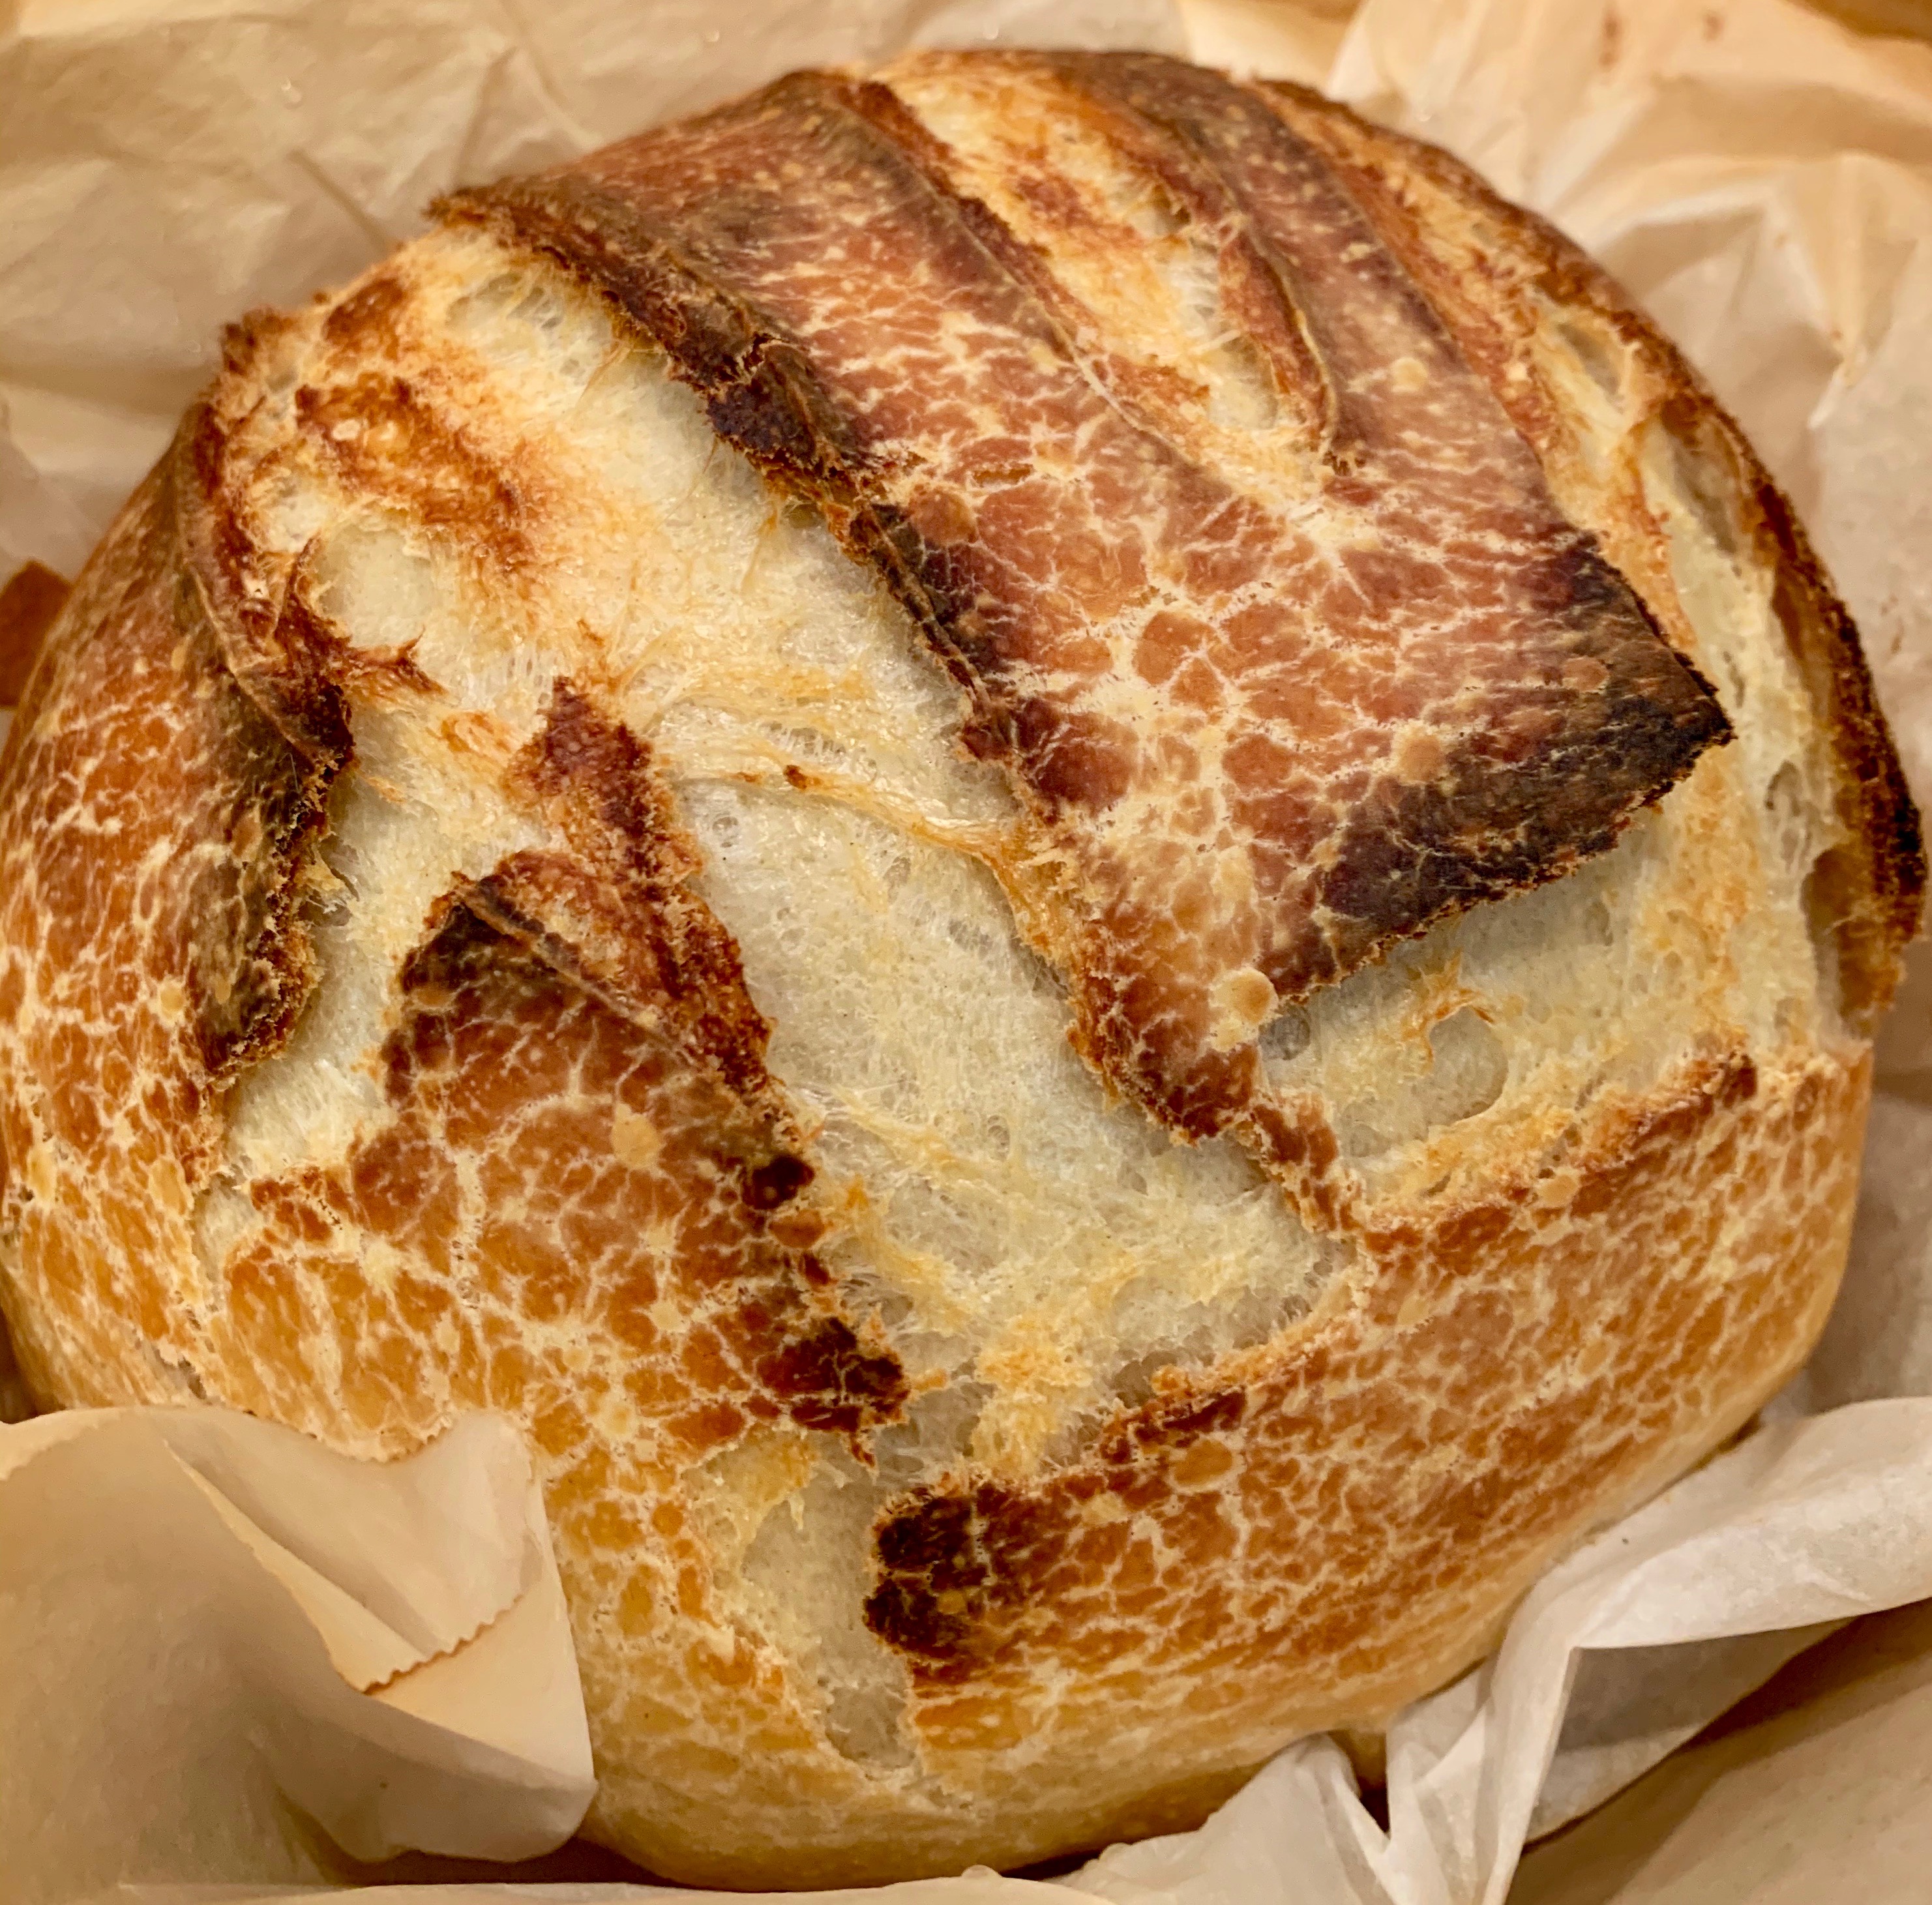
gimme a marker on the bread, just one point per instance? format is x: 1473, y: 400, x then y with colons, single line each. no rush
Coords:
x: 1069, y: 860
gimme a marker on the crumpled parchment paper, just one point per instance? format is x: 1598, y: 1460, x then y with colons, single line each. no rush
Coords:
x: 192, y: 1612
x: 225, y: 1650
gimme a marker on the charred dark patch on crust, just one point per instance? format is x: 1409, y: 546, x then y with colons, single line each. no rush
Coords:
x: 285, y: 732
x: 593, y: 776
x: 959, y: 1567
x: 1872, y: 889
x: 938, y: 1595
x: 622, y: 898
x: 712, y: 239
x: 1518, y: 805
x: 828, y: 1381
x: 778, y: 1182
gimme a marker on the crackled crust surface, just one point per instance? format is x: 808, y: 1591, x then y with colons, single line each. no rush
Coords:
x: 1264, y: 746
x: 560, y: 854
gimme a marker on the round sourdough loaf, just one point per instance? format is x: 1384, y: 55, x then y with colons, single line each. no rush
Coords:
x: 1071, y: 861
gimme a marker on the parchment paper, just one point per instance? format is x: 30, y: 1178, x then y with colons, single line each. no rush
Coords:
x: 225, y: 1651
x: 1759, y: 174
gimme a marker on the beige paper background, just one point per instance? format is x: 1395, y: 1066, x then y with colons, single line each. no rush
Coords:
x: 1760, y: 175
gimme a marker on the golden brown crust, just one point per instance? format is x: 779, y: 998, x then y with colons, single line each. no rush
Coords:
x: 582, y: 1196
x: 1364, y: 1498
x: 253, y: 753
x: 151, y: 943
x: 583, y: 1202
x: 514, y: 1075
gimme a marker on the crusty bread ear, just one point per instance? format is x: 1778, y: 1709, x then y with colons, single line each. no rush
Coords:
x: 1066, y: 857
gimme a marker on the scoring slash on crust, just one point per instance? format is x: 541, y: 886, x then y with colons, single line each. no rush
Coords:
x: 575, y: 1045
x: 1264, y: 742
